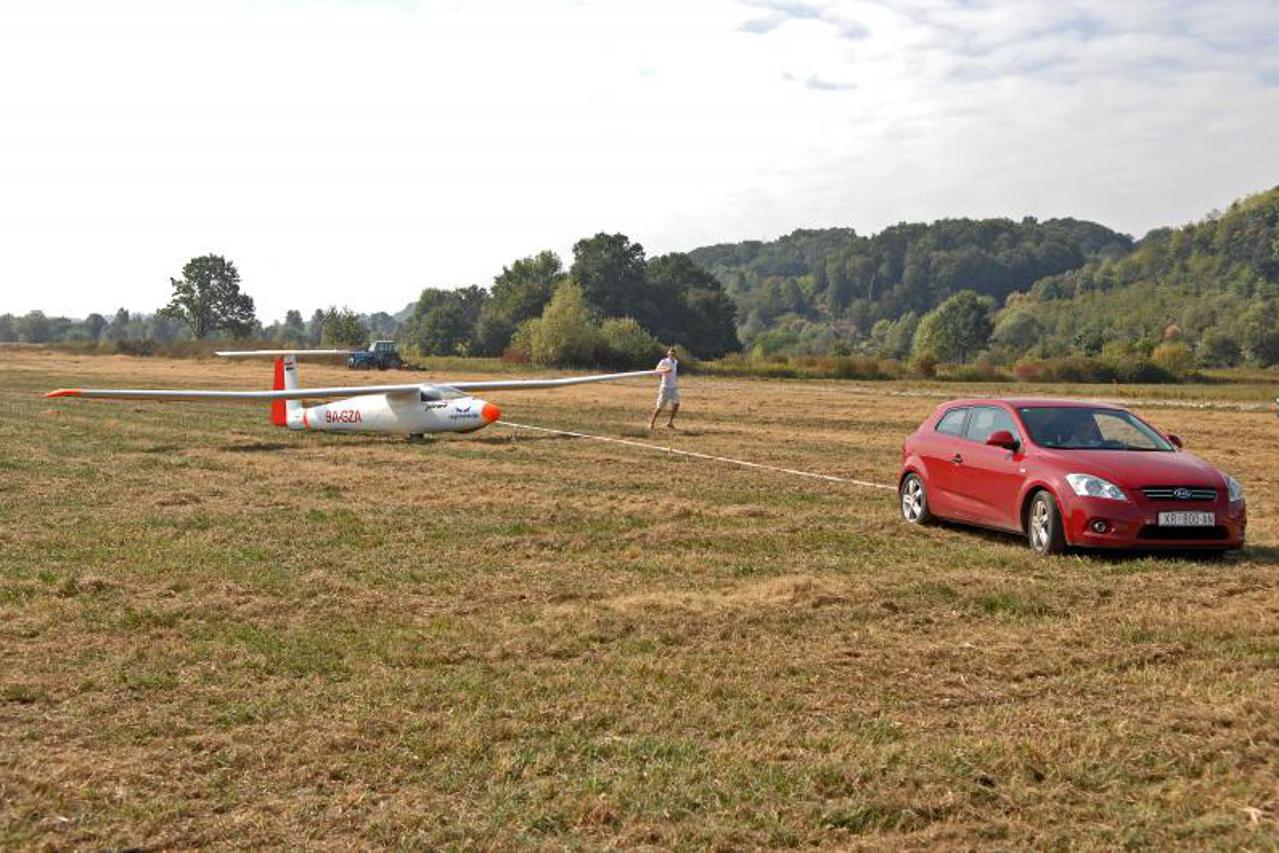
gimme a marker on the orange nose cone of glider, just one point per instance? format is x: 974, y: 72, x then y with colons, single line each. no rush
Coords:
x: 490, y: 413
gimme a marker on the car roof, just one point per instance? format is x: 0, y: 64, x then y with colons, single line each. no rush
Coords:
x: 1032, y: 403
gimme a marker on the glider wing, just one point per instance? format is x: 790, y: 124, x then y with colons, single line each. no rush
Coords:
x: 532, y: 384
x: 291, y: 394
x: 341, y: 391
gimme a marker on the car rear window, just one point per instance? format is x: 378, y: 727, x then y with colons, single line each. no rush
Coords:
x: 952, y: 423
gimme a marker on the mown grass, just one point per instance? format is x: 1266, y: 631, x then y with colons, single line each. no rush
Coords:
x: 215, y: 632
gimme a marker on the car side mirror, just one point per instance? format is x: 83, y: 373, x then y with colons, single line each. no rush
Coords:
x: 1175, y: 439
x: 1003, y: 438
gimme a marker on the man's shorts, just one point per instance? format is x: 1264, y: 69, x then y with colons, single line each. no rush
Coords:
x: 667, y: 395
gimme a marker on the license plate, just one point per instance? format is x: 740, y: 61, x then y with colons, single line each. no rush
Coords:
x: 1187, y: 519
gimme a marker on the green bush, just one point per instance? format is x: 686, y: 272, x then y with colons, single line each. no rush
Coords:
x: 624, y: 343
x: 1139, y: 369
x: 1076, y: 368
x: 1218, y: 349
x: 566, y: 334
x: 980, y: 372
x: 1174, y: 357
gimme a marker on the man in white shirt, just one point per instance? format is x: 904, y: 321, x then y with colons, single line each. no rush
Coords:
x: 669, y: 390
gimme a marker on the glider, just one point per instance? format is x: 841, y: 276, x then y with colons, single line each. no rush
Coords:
x: 412, y: 410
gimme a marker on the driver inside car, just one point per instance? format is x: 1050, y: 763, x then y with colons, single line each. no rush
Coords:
x: 1076, y: 429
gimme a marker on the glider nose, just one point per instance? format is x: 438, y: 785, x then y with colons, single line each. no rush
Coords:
x: 490, y: 413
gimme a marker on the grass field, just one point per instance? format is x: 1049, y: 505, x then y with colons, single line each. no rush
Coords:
x: 213, y: 631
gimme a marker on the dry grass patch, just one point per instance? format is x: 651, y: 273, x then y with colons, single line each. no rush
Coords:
x: 216, y: 632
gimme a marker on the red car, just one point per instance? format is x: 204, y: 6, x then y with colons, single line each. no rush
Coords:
x: 1066, y: 473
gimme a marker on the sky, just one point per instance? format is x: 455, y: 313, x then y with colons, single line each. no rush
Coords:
x: 352, y: 152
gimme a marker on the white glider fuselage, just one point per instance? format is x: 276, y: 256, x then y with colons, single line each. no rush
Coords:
x: 399, y: 414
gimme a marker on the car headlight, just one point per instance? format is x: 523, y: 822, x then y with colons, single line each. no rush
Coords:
x: 1088, y: 486
x: 1234, y: 488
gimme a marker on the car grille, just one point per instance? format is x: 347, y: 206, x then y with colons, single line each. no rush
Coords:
x: 1179, y: 493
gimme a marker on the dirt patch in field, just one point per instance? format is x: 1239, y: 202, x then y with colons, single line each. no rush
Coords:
x: 788, y: 591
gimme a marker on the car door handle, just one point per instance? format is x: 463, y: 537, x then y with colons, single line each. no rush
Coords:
x: 957, y: 459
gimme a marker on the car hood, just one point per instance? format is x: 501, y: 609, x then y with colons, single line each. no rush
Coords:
x: 1135, y: 469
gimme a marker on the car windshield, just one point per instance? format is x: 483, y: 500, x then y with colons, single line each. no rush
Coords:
x: 1078, y: 428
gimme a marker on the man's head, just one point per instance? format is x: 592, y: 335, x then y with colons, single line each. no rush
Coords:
x: 670, y: 353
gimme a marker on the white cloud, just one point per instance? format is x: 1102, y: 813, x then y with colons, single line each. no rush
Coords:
x: 352, y: 153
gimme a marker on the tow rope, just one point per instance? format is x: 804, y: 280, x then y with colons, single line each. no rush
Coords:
x: 675, y: 451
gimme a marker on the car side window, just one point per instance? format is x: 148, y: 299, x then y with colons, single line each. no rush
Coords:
x: 952, y: 423
x: 987, y: 420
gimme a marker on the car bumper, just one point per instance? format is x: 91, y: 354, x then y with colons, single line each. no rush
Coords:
x: 1096, y: 523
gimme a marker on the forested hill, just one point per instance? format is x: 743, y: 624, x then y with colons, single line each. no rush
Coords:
x: 845, y: 282
x: 1213, y: 286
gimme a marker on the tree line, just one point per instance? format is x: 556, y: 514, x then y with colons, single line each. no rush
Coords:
x: 207, y: 302
x: 613, y: 306
x: 992, y: 293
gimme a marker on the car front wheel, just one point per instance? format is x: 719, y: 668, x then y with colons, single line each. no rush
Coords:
x: 914, y: 500
x: 1043, y: 526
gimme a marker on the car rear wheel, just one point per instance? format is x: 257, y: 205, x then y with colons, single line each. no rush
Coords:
x: 1043, y: 526
x: 914, y: 500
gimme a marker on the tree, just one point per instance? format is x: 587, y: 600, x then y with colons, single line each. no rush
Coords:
x: 208, y: 298
x: 687, y: 305
x: 958, y: 328
x: 442, y: 330
x: 1260, y: 333
x: 492, y: 334
x: 610, y: 271
x: 93, y: 326
x: 34, y: 328
x: 444, y: 321
x: 8, y: 332
x: 315, y: 326
x: 293, y: 330
x: 520, y: 293
x: 342, y: 328
x: 161, y: 328
x: 893, y: 338
x: 1218, y: 349
x: 118, y: 328
x: 1018, y: 330
x: 383, y: 325
x: 566, y: 334
x: 524, y: 288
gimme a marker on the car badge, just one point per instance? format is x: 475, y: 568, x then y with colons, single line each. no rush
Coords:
x: 1182, y: 494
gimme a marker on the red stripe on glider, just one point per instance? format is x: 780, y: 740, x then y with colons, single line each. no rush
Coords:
x: 279, y: 416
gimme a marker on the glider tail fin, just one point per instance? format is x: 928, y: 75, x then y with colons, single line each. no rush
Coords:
x: 279, y: 415
x: 286, y: 379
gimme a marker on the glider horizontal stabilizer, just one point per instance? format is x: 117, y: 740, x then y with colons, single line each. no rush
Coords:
x: 278, y: 353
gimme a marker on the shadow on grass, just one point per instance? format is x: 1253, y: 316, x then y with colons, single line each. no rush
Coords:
x: 258, y: 447
x: 1264, y: 554
x: 985, y: 534
x: 1267, y: 555
x: 522, y: 437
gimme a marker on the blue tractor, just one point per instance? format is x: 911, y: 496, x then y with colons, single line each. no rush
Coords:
x: 381, y: 355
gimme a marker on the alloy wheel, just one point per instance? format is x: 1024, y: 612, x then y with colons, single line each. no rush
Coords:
x: 913, y: 500
x: 1040, y: 521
